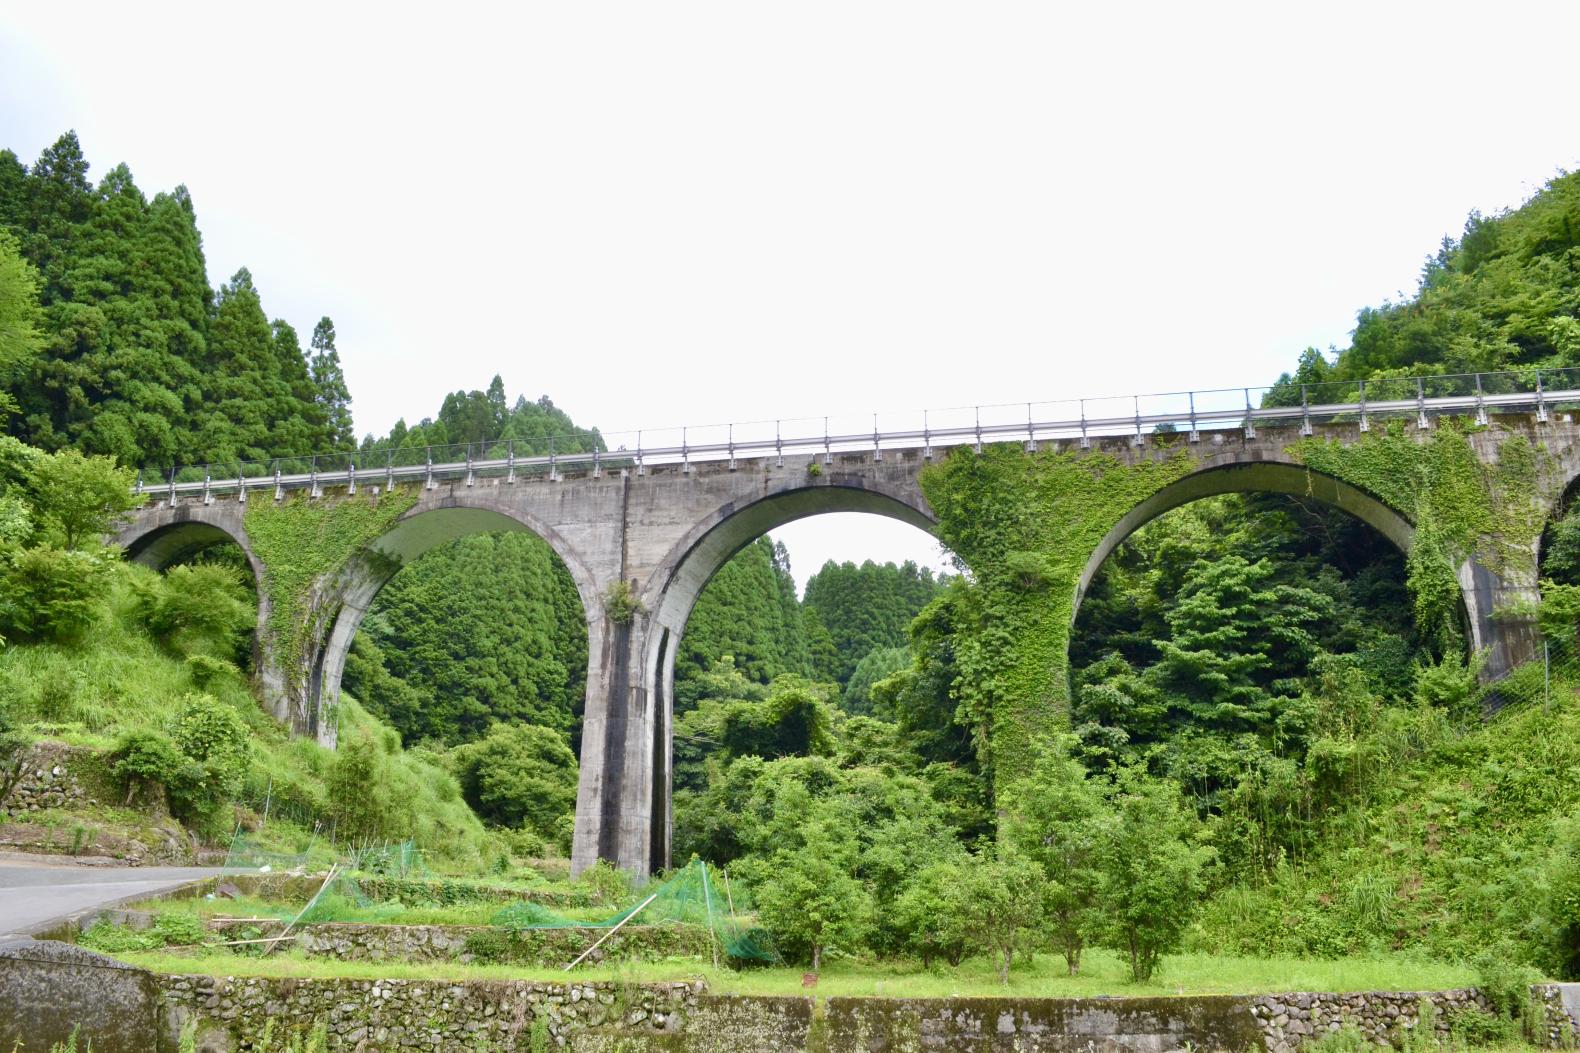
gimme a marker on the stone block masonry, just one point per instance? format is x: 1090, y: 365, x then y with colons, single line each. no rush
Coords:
x: 48, y: 775
x: 529, y: 1017
x: 48, y: 989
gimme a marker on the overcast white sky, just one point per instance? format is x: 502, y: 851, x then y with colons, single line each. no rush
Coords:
x: 678, y: 212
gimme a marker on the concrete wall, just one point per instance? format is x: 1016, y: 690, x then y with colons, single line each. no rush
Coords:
x: 48, y: 990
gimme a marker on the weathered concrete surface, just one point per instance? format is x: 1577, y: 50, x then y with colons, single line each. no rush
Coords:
x: 663, y: 532
x: 50, y: 990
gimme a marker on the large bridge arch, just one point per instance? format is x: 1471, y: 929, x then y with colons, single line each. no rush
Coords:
x: 1230, y: 476
x: 670, y: 593
x: 422, y: 529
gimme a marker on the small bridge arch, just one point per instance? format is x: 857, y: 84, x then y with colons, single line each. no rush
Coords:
x: 423, y: 528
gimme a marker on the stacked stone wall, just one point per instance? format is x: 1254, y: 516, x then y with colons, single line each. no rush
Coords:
x: 50, y: 775
x: 1287, y: 1021
x: 485, y: 945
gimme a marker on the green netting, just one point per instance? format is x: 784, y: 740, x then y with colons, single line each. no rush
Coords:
x: 690, y: 897
x: 247, y: 854
x: 402, y: 859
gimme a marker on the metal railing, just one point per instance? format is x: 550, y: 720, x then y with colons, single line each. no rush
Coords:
x: 1189, y: 414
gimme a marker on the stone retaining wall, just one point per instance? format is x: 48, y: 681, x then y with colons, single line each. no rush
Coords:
x: 418, y: 1014
x: 488, y: 945
x: 58, y: 987
x: 368, y: 1015
x: 1287, y: 1021
x: 49, y: 775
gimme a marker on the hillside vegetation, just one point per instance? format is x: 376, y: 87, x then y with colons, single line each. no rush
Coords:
x: 1268, y: 737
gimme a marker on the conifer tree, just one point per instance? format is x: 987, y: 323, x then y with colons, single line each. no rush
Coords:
x: 329, y: 380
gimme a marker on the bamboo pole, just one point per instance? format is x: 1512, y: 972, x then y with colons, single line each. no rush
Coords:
x: 327, y: 879
x: 611, y: 932
x: 707, y: 897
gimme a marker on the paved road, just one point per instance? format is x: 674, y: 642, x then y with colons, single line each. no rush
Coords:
x: 33, y: 896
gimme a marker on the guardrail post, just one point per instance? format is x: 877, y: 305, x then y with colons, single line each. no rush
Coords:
x: 732, y: 447
x: 779, y: 447
x: 1420, y: 406
x: 1031, y: 432
x: 351, y: 476
x: 510, y: 460
x: 1137, y: 440
x: 208, y: 498
x: 1195, y: 436
x: 877, y: 450
x: 1541, y: 400
x: 428, y: 477
x: 279, y: 487
x: 927, y: 439
x: 1481, y: 408
x: 312, y: 480
x: 1305, y: 412
x: 641, y: 469
x: 1086, y: 443
x: 1365, y: 424
x: 685, y: 453
x: 1250, y: 421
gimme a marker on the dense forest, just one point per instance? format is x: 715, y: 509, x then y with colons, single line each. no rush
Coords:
x: 1271, y: 742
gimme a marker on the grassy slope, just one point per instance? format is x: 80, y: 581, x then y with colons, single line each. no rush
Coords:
x: 1451, y: 856
x: 118, y: 679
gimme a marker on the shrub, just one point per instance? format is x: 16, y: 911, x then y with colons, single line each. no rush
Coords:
x: 520, y: 775
x: 934, y: 913
x: 144, y: 759
x: 201, y: 608
x: 366, y: 799
x: 809, y: 900
x: 607, y: 883
x: 210, y: 732
x: 1004, y: 905
x: 50, y: 594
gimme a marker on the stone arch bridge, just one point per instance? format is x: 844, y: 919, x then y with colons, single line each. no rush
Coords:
x: 641, y: 537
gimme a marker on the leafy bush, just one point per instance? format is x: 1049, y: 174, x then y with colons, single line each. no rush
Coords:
x: 934, y: 913
x: 145, y: 759
x: 519, y: 776
x: 810, y: 900
x: 608, y: 884
x: 169, y: 929
x: 211, y: 733
x: 365, y: 795
x: 50, y: 594
x: 201, y: 608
